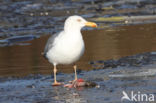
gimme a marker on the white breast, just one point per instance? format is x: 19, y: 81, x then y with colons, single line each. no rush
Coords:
x: 67, y: 49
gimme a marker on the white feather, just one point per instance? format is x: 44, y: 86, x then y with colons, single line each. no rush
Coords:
x: 68, y: 46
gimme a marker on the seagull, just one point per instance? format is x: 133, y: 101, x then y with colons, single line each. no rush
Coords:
x: 67, y: 46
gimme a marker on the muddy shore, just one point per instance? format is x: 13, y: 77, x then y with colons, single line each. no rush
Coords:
x: 120, y: 57
x: 134, y: 73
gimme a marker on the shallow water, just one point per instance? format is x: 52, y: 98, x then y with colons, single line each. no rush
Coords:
x: 24, y: 26
x: 111, y: 83
x: 25, y: 58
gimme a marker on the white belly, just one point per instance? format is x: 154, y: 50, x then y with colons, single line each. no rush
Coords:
x: 66, y: 51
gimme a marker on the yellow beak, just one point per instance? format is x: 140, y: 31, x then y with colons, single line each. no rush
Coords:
x: 91, y: 24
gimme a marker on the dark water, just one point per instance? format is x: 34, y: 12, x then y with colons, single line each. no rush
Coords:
x: 109, y: 43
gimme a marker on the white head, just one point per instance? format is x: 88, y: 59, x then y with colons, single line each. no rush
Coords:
x: 77, y: 22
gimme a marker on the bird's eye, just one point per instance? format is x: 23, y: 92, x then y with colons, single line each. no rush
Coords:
x: 79, y: 20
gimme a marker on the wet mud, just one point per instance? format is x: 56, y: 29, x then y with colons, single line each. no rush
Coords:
x: 38, y: 17
x: 120, y: 54
x: 113, y: 78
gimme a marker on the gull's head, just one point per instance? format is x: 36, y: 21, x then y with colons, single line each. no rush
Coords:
x: 77, y: 22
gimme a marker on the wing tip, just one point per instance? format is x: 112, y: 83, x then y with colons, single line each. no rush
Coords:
x: 44, y: 55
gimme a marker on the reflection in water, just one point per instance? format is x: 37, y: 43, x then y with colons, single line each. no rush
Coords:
x: 105, y: 44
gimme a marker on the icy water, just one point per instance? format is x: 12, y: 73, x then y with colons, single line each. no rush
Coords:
x: 25, y: 58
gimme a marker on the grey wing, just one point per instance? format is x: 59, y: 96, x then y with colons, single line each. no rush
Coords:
x: 49, y: 43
